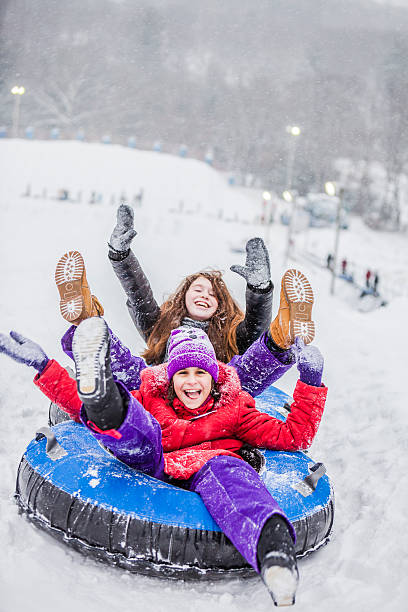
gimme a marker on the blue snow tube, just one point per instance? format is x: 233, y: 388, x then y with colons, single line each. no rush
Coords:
x: 69, y: 485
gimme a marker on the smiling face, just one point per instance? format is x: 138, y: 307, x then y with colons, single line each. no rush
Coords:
x: 201, y: 302
x: 192, y: 386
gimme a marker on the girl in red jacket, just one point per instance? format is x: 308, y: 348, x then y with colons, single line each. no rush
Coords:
x: 188, y: 424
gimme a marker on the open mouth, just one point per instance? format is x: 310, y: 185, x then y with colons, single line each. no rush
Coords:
x: 192, y: 393
x: 201, y: 304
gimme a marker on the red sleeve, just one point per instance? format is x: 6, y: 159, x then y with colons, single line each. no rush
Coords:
x: 296, y: 433
x: 55, y: 382
x: 180, y: 433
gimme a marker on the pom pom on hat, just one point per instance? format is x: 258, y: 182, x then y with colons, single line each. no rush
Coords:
x: 188, y: 348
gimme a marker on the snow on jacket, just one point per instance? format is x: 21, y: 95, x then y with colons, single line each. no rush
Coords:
x: 145, y: 311
x: 221, y: 426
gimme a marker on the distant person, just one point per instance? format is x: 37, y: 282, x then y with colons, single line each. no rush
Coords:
x: 368, y: 277
x: 375, y: 283
x: 329, y: 261
x: 344, y: 267
x: 63, y: 194
x: 138, y: 199
x: 140, y: 196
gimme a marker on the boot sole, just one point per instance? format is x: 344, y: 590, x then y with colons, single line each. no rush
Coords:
x: 89, y: 346
x: 299, y: 295
x: 281, y: 583
x: 68, y: 278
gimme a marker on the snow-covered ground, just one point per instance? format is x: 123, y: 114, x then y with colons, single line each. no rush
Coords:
x: 363, y: 436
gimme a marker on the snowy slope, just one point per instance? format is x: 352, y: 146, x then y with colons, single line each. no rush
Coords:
x: 363, y: 435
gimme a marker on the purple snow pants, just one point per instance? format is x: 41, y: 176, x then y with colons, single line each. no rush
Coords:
x: 232, y: 491
x: 257, y: 368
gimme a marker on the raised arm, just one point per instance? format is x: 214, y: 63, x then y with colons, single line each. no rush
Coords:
x: 141, y: 304
x: 259, y: 294
x: 53, y: 380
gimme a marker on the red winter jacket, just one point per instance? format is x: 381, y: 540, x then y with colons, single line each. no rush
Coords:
x: 190, y: 438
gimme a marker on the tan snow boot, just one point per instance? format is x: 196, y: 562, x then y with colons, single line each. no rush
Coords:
x: 295, y: 311
x: 76, y: 301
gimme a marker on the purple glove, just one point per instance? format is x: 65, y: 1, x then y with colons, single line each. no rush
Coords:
x: 309, y: 362
x: 23, y: 350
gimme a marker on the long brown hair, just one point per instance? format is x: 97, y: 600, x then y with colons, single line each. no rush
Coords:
x: 221, y: 327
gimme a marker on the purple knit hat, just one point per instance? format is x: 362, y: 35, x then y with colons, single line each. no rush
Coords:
x: 190, y: 347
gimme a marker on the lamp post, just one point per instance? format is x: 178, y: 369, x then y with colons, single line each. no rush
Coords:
x: 331, y: 189
x: 266, y: 198
x: 292, y: 130
x: 289, y: 197
x: 17, y: 92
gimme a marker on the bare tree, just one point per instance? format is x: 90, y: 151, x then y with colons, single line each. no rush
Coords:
x: 395, y: 129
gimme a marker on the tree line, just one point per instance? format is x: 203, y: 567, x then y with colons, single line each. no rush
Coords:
x: 226, y: 76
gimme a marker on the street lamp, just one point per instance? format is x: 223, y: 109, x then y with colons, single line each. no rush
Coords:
x: 294, y: 131
x: 17, y: 91
x: 331, y: 190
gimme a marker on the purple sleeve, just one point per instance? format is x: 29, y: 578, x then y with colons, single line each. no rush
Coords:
x: 259, y: 367
x: 126, y: 367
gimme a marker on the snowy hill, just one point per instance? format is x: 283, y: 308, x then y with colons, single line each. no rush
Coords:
x: 362, y: 438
